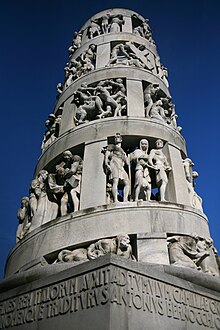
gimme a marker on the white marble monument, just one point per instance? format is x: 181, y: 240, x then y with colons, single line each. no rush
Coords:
x: 112, y: 234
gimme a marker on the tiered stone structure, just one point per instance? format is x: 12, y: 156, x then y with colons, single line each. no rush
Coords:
x: 114, y: 177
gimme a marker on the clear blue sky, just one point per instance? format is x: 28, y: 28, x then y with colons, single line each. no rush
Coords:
x: 35, y: 36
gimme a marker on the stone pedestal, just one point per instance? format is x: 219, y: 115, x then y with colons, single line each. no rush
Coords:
x: 111, y: 293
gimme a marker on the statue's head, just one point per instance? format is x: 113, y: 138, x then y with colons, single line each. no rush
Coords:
x: 92, y: 46
x: 60, y: 171
x: 43, y: 174
x: 119, y: 80
x: 159, y: 144
x: 118, y: 138
x: 123, y: 241
x: 51, y: 117
x: 25, y: 201
x: 144, y: 144
x: 67, y: 155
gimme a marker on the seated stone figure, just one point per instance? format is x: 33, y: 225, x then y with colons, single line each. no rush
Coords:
x: 184, y: 251
x: 70, y: 256
x: 120, y: 245
x: 209, y: 264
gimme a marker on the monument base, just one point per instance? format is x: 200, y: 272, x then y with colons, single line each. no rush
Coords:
x: 110, y: 293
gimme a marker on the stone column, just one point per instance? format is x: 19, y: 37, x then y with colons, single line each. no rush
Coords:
x: 127, y: 26
x: 135, y: 98
x: 67, y: 121
x: 93, y: 189
x: 177, y: 185
x: 103, y: 55
x: 152, y: 248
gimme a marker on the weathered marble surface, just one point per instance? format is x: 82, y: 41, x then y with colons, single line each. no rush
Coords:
x: 125, y: 293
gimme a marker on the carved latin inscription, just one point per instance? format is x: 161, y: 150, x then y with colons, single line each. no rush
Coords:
x: 112, y: 286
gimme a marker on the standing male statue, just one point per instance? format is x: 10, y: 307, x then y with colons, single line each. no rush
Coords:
x: 158, y: 161
x: 23, y: 216
x: 114, y: 162
x: 142, y: 176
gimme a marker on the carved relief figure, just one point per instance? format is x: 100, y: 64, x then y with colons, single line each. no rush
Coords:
x: 144, y: 30
x: 157, y: 111
x: 129, y: 54
x: 193, y: 252
x: 43, y: 204
x: 76, y: 43
x: 88, y: 58
x: 120, y: 245
x: 209, y: 264
x: 118, y: 53
x: 112, y: 102
x: 116, y: 24
x: 158, y: 161
x: 59, y: 89
x: 169, y: 110
x: 65, y: 183
x: 83, y: 64
x: 71, y: 256
x: 196, y: 200
x: 74, y: 68
x: 147, y: 32
x: 115, y: 161
x: 184, y: 252
x: 142, y: 176
x: 93, y: 29
x: 106, y: 99
x: 104, y: 23
x: 150, y: 93
x: 23, y: 216
x: 89, y: 105
x: 53, y: 127
x: 56, y: 193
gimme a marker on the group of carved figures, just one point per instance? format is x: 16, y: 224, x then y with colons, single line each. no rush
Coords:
x: 83, y: 64
x: 52, y: 129
x: 106, y: 99
x: 127, y: 53
x: 118, y: 170
x: 159, y: 108
x: 144, y: 165
x: 51, y: 194
x: 129, y: 176
x: 105, y: 24
x: 189, y: 251
x: 144, y: 30
x: 133, y: 54
x: 110, y: 24
x: 119, y: 245
x: 193, y: 252
x: 113, y: 24
x: 121, y: 54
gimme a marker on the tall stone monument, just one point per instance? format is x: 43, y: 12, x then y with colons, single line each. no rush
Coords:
x: 112, y: 234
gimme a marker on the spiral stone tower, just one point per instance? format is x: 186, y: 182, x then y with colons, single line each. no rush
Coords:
x: 112, y: 234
